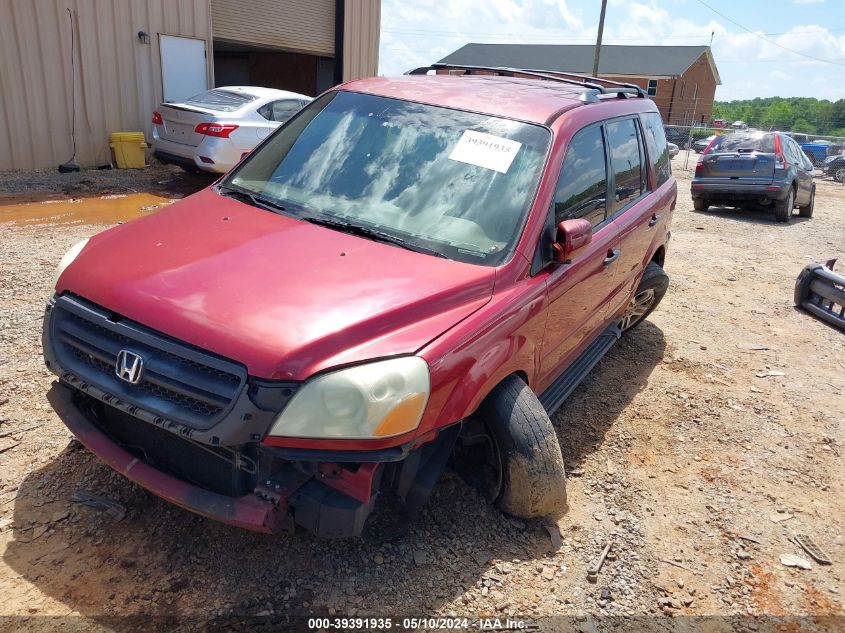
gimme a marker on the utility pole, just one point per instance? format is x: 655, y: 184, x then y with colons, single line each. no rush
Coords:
x: 598, y: 39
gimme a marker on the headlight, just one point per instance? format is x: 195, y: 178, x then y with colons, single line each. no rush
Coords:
x: 68, y: 258
x: 375, y: 400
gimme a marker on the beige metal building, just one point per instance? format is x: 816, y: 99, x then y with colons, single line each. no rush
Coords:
x: 72, y: 71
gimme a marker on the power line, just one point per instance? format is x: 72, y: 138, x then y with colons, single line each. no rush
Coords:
x: 536, y: 35
x: 766, y: 39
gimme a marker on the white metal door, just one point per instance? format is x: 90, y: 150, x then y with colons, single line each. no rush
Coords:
x: 183, y: 67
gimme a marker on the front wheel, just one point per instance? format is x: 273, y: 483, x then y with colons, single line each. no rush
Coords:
x: 783, y: 208
x: 839, y: 174
x: 649, y: 293
x: 531, y: 479
x: 807, y: 210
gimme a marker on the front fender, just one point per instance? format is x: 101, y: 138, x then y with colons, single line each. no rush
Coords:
x: 500, y: 339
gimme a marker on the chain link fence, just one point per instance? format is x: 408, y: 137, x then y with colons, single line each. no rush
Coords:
x: 693, y: 140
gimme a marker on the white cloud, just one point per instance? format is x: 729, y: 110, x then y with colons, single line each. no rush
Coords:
x: 421, y: 33
x: 779, y: 75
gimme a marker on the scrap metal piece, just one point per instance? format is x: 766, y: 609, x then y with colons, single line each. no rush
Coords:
x: 791, y: 560
x: 113, y: 508
x: 595, y: 568
x: 821, y: 292
x: 809, y: 546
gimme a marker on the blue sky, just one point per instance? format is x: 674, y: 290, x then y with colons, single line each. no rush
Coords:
x: 418, y: 32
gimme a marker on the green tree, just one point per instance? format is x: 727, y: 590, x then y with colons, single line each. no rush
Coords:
x: 803, y: 125
x: 801, y: 114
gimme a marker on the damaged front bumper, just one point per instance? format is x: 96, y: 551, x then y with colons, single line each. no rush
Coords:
x: 821, y: 292
x: 287, y: 497
x: 191, y: 429
x: 247, y: 512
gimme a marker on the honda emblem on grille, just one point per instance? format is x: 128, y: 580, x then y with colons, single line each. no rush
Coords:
x: 129, y: 366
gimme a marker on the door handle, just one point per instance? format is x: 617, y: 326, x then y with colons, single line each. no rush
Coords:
x: 655, y: 218
x: 612, y: 256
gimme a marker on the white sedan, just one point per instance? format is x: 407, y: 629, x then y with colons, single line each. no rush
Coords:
x: 213, y: 130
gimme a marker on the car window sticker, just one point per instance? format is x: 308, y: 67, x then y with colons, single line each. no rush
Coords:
x: 485, y: 150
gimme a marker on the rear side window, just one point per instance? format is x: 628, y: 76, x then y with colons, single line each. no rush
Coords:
x: 790, y: 148
x: 658, y: 152
x: 220, y: 100
x: 626, y: 162
x: 751, y: 142
x: 582, y: 186
x: 280, y: 111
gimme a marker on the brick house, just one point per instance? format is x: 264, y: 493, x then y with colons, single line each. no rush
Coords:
x: 681, y: 80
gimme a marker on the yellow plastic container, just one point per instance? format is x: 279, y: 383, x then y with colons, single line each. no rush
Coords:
x: 128, y: 149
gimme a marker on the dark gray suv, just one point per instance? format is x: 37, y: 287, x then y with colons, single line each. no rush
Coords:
x: 755, y: 168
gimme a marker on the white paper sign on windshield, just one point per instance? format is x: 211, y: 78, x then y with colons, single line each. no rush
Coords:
x: 485, y: 150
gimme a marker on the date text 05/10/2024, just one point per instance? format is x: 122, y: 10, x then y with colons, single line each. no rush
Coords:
x: 411, y: 624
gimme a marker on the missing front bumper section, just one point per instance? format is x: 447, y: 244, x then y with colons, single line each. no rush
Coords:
x: 821, y: 292
x: 328, y: 499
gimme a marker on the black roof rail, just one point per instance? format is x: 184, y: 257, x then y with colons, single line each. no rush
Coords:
x: 594, y: 86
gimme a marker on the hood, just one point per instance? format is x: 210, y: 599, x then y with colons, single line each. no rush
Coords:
x: 282, y: 296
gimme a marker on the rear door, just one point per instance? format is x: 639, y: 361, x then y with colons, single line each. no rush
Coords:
x: 745, y: 158
x: 578, y: 290
x: 635, y: 213
x: 803, y: 169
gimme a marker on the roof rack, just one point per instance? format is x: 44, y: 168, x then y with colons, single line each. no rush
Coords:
x: 594, y: 86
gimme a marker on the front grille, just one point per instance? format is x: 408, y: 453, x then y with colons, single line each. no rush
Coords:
x: 209, y: 468
x: 178, y: 382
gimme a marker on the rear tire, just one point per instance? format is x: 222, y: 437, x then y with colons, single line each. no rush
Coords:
x: 650, y: 292
x: 533, y: 478
x: 700, y: 204
x: 807, y: 210
x: 783, y: 208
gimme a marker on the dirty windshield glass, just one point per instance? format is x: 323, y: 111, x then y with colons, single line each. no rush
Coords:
x: 220, y: 100
x: 448, y: 181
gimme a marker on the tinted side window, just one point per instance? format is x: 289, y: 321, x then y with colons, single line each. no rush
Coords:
x: 625, y: 161
x: 808, y: 164
x: 279, y: 111
x: 283, y: 110
x: 658, y: 152
x: 787, y: 149
x: 266, y: 111
x: 582, y: 186
x: 798, y: 155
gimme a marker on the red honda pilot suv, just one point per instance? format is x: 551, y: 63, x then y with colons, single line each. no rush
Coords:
x: 411, y: 271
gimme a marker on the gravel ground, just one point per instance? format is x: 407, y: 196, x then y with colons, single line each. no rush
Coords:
x: 682, y: 449
x: 17, y: 186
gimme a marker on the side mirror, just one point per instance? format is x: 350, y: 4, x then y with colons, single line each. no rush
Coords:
x: 572, y: 236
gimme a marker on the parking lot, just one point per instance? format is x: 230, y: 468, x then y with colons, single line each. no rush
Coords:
x: 699, y: 445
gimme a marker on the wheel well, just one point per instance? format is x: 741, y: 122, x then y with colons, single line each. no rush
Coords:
x: 659, y: 256
x: 521, y: 374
